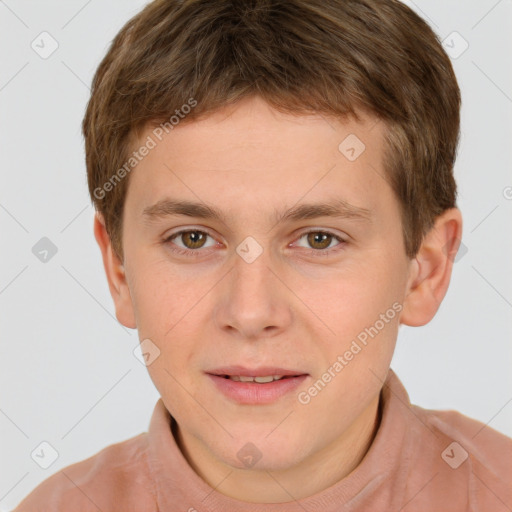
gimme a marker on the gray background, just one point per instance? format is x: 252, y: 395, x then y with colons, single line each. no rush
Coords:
x: 68, y: 374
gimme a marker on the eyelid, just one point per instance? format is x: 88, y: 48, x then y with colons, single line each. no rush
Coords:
x: 186, y: 229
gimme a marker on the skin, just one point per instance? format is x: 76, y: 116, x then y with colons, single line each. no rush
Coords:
x: 299, y: 305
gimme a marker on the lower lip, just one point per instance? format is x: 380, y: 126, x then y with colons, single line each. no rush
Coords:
x: 252, y: 393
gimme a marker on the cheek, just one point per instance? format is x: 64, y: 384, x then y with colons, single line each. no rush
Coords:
x: 356, y: 361
x: 351, y: 299
x: 164, y: 303
x: 167, y: 304
x: 161, y: 297
x: 361, y: 306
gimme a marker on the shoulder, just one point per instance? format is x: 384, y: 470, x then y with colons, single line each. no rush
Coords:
x: 468, y: 456
x: 481, y: 442
x: 116, y: 478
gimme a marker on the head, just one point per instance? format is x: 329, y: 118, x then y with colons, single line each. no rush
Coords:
x: 317, y: 140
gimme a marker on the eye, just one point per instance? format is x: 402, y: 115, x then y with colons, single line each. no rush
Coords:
x: 321, y: 240
x: 188, y: 242
x: 191, y: 240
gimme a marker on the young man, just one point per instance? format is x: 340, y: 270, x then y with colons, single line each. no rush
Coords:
x: 274, y: 193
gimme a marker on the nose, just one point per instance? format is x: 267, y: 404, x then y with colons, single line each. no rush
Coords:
x: 252, y: 301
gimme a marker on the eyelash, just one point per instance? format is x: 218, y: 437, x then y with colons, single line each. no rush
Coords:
x: 199, y: 252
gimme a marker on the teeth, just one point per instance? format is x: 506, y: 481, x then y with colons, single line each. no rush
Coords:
x: 260, y: 380
x: 263, y: 380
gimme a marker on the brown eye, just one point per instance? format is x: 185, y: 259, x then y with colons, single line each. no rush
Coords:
x: 319, y: 240
x: 193, y: 239
x: 189, y: 240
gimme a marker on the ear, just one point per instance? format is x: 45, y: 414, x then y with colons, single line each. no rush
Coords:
x: 116, y: 277
x: 431, y: 269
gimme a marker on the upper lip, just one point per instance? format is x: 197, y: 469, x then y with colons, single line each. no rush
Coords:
x: 261, y: 371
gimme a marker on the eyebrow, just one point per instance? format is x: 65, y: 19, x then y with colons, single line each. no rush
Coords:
x: 335, y: 208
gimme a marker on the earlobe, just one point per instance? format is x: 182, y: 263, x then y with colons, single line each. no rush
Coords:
x: 116, y: 276
x: 431, y: 269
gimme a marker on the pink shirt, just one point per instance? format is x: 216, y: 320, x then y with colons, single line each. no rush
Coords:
x: 420, y: 460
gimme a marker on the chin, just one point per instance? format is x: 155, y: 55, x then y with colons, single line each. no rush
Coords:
x: 262, y: 453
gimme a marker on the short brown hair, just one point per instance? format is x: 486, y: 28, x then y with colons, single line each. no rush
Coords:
x: 334, y: 57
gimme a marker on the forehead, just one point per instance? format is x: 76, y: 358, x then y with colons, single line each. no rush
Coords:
x: 250, y: 156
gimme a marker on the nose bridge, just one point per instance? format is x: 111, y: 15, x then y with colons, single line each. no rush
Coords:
x: 252, y: 279
x: 251, y: 301
x: 252, y: 267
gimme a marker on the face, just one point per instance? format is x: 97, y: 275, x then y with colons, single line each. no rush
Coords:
x: 301, y: 273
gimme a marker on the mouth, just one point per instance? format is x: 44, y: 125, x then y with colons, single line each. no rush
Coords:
x: 259, y: 380
x: 256, y: 386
